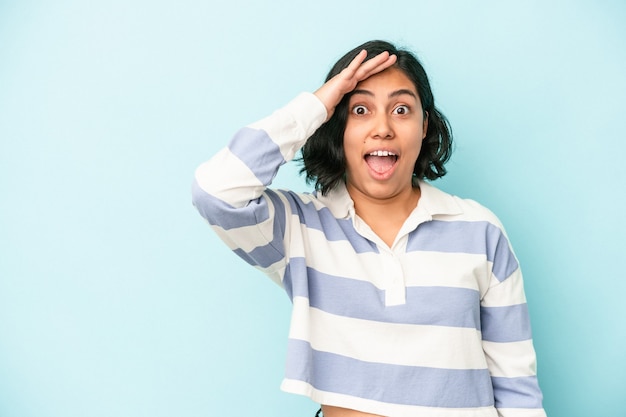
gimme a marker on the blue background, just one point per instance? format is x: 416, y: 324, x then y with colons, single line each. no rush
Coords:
x: 116, y: 299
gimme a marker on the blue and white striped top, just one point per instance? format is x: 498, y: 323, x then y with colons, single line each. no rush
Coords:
x: 436, y: 325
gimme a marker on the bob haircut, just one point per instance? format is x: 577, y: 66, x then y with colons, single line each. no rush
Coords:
x: 323, y: 155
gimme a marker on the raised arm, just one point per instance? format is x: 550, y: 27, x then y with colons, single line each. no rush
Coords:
x: 230, y: 190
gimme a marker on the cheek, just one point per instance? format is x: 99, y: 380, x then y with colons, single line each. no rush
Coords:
x: 351, y: 132
x: 349, y: 150
x: 418, y: 144
x: 416, y: 149
x: 352, y: 140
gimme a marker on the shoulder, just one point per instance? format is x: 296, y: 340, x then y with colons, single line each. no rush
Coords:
x: 452, y: 207
x: 475, y: 211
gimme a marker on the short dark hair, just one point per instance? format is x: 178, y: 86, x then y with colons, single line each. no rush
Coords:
x: 323, y: 155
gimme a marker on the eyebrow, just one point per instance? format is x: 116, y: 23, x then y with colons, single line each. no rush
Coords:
x: 401, y: 92
x: 392, y: 94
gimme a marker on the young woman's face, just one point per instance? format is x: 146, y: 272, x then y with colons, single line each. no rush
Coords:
x: 383, y: 135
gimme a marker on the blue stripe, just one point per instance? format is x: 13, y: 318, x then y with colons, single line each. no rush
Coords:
x: 263, y: 256
x: 505, y: 324
x: 521, y: 392
x: 437, y: 306
x: 500, y: 253
x: 258, y: 151
x: 220, y: 213
x: 482, y: 238
x: 334, y: 229
x: 397, y: 384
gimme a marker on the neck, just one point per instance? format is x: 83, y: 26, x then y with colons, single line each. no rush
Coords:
x: 385, y: 216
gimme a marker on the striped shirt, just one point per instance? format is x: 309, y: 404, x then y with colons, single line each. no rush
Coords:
x: 436, y: 325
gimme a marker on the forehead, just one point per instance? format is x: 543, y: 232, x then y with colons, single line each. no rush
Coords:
x: 389, y: 80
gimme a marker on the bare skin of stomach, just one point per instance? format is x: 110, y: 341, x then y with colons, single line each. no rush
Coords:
x: 330, y: 411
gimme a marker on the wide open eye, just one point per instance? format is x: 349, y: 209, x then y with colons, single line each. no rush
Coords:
x: 360, y: 110
x: 402, y: 109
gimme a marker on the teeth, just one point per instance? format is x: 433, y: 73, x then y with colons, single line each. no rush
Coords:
x: 382, y: 153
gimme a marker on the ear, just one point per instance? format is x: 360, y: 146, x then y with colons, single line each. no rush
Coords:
x: 425, y: 124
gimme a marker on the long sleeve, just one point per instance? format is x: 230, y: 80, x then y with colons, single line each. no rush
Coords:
x: 230, y: 190
x: 507, y: 339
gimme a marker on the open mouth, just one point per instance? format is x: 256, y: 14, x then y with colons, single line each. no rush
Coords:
x: 381, y: 161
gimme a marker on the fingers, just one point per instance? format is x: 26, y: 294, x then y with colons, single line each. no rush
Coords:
x: 375, y: 65
x: 359, y: 70
x: 356, y: 62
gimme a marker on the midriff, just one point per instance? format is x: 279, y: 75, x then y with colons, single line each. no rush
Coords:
x: 330, y: 411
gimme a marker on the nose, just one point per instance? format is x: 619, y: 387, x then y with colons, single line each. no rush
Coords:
x: 382, y: 128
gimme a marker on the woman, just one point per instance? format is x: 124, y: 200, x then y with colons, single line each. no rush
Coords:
x: 407, y: 301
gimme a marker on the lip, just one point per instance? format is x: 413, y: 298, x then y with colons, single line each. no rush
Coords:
x: 384, y: 151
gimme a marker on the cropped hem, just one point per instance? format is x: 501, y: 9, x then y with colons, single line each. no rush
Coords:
x: 376, y: 407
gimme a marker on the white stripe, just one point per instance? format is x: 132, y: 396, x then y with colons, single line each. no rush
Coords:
x: 275, y: 272
x: 398, y: 344
x: 245, y: 238
x: 337, y: 257
x: 460, y: 270
x: 290, y: 126
x: 510, y: 360
x: 521, y: 412
x: 506, y: 293
x: 377, y: 407
x: 236, y: 187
